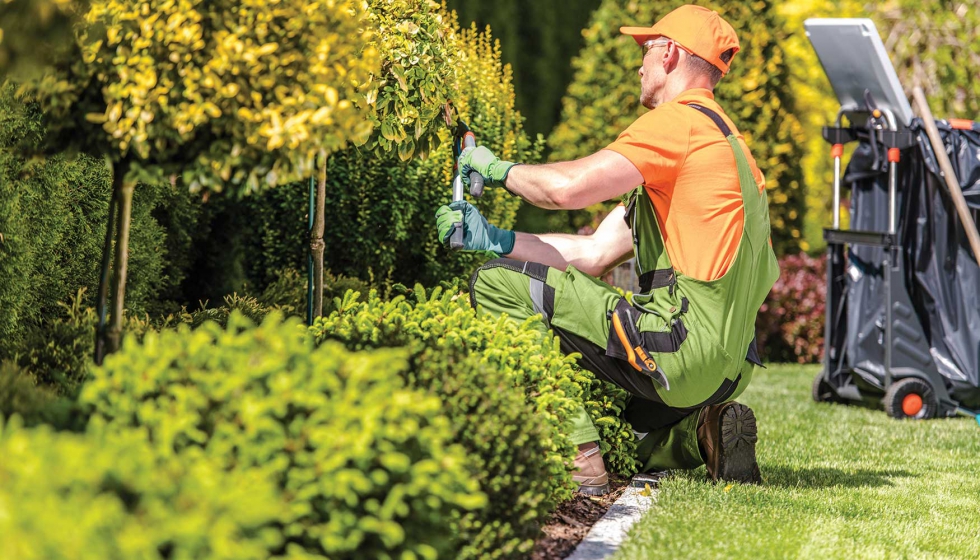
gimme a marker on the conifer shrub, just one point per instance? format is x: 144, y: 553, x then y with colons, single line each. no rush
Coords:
x: 364, y: 464
x: 104, y: 495
x: 53, y: 215
x: 34, y: 405
x: 57, y: 352
x: 514, y: 423
x: 52, y: 226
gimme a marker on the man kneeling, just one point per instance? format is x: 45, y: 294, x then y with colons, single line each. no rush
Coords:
x: 698, y: 228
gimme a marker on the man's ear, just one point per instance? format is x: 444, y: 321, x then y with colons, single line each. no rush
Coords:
x: 672, y: 57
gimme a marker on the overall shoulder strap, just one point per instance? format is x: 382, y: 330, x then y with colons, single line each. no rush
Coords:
x: 720, y: 122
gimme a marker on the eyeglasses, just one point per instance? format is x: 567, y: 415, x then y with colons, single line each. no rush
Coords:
x: 652, y: 43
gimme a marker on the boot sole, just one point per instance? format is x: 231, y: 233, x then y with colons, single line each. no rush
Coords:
x: 739, y: 435
x: 593, y: 490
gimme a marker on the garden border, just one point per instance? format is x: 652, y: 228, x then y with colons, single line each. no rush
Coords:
x: 610, y: 531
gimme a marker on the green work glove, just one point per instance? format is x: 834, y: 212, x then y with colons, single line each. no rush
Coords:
x: 482, y: 160
x: 478, y: 235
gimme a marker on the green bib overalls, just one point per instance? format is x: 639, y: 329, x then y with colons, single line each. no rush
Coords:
x: 679, y: 345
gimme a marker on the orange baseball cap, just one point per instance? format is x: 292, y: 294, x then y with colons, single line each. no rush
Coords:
x: 699, y: 30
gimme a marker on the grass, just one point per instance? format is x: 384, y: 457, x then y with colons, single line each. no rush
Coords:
x: 839, y: 482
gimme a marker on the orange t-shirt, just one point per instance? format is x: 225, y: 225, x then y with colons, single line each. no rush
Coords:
x: 689, y: 172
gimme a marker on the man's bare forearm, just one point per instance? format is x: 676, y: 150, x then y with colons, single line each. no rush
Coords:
x: 557, y: 250
x: 571, y: 185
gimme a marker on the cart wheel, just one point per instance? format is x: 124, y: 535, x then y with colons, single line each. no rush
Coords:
x: 910, y: 398
x: 822, y: 391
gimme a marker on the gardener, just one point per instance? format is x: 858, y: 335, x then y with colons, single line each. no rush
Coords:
x: 698, y: 228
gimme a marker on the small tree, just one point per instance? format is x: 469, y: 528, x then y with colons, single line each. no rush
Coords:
x: 418, y: 48
x: 382, y: 207
x: 214, y: 93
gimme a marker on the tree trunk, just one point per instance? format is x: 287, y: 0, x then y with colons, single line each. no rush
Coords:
x: 124, y: 197
x: 316, y: 237
x: 101, y: 304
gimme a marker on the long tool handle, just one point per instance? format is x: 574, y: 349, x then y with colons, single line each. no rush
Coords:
x: 456, y: 237
x: 947, y: 168
x: 476, y: 180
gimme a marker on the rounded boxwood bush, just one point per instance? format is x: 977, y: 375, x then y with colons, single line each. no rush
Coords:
x: 509, y: 392
x: 364, y: 464
x: 104, y: 495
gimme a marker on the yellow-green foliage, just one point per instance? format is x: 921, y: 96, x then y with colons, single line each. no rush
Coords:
x: 381, y: 224
x: 104, y: 495
x: 509, y: 392
x: 936, y: 45
x: 603, y: 98
x: 32, y: 32
x: 419, y: 52
x: 364, y: 464
x: 219, y: 92
x: 506, y: 390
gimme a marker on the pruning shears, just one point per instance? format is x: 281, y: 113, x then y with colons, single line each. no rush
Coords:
x: 463, y: 138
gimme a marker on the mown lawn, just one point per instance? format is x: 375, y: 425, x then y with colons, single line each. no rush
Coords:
x: 839, y: 482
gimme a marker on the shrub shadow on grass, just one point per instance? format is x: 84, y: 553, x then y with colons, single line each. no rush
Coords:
x: 827, y: 477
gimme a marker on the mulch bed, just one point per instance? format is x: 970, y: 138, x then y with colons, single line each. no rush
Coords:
x: 573, y: 519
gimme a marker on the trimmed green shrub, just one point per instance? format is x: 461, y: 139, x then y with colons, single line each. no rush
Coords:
x: 477, y: 367
x: 364, y: 463
x: 518, y: 436
x: 103, y: 495
x: 603, y: 98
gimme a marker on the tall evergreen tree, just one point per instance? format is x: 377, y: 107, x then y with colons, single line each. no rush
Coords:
x: 538, y: 39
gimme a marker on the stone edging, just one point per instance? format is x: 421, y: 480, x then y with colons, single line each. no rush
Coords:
x: 610, y: 531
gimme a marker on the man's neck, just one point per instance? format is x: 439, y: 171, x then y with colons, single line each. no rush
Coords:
x: 674, y: 88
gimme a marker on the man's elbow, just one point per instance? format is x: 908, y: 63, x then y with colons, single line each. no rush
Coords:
x: 593, y: 269
x: 569, y: 194
x: 596, y: 264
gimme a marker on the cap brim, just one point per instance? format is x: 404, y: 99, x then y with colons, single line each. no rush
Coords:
x: 639, y: 34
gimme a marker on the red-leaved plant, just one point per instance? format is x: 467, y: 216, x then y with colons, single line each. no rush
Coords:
x: 790, y: 325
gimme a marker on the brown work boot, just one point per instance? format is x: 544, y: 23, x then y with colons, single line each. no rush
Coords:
x: 590, y: 470
x: 727, y: 435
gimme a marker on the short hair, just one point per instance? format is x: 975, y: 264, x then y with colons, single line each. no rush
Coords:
x: 702, y: 66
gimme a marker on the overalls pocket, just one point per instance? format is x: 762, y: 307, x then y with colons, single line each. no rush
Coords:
x: 627, y: 341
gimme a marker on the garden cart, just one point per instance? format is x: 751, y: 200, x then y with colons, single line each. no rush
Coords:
x: 903, y: 303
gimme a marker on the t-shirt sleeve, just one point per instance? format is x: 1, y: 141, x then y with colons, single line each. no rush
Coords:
x: 656, y: 143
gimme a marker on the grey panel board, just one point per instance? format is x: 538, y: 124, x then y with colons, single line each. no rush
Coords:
x: 854, y: 59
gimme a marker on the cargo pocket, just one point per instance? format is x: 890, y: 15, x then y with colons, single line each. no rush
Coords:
x: 627, y: 342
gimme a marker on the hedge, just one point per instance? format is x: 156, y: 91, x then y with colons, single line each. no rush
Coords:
x: 521, y: 443
x: 103, y: 495
x: 603, y: 98
x: 363, y: 463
